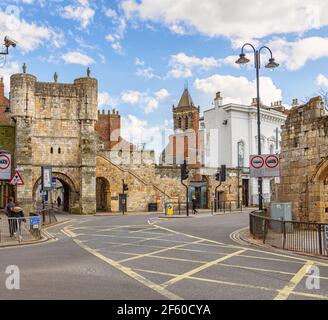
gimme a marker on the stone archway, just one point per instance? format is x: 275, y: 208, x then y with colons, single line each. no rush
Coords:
x: 318, y: 193
x: 103, y: 195
x: 70, y: 195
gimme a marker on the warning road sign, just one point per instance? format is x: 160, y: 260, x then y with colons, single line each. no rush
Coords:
x: 264, y: 166
x: 17, y: 180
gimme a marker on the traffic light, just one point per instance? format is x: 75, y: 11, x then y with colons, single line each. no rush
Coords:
x: 125, y: 187
x: 218, y: 176
x: 223, y: 173
x: 184, y: 171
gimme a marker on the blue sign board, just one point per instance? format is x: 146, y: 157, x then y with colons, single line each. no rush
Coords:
x: 35, y: 221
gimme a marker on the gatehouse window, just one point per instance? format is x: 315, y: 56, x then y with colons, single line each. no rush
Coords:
x: 51, y: 150
x: 59, y: 150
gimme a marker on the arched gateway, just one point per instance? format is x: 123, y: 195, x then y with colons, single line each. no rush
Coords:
x: 64, y: 189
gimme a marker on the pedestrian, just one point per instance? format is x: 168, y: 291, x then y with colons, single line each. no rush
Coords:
x: 59, y: 202
x: 12, y: 222
x: 19, y: 216
x: 194, y: 205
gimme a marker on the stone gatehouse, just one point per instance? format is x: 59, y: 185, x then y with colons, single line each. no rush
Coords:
x: 304, y: 161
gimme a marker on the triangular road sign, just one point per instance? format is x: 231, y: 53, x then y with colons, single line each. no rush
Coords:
x: 17, y: 180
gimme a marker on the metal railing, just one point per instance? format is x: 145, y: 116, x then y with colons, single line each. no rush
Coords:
x: 48, y: 215
x: 20, y: 230
x: 226, y: 206
x: 305, y: 237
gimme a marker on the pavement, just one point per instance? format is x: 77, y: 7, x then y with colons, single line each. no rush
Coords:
x: 147, y: 257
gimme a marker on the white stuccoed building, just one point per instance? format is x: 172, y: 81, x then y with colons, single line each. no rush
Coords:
x: 231, y: 137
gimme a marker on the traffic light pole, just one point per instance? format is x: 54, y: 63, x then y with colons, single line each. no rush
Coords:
x: 123, y: 200
x: 216, y: 196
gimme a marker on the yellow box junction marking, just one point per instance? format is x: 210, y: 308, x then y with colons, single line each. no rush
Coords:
x: 290, y: 287
x: 201, y: 268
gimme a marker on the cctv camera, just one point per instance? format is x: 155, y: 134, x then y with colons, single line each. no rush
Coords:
x: 9, y: 42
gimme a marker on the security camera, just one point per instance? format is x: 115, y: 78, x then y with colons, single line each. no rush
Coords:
x: 10, y: 42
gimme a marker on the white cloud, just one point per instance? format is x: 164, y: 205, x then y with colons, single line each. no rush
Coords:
x: 139, y: 132
x: 182, y: 65
x: 147, y: 73
x: 238, y: 89
x: 232, y: 19
x: 144, y: 100
x: 106, y: 100
x: 131, y: 97
x: 322, y: 81
x: 117, y: 35
x: 162, y: 94
x: 29, y: 36
x: 139, y: 62
x: 80, y: 12
x: 6, y: 71
x: 75, y: 57
x: 295, y: 54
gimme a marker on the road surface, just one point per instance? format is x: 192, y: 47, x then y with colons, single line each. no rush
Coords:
x: 147, y: 257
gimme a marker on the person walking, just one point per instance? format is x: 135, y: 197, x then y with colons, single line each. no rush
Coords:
x: 194, y: 205
x: 12, y: 221
x: 59, y: 201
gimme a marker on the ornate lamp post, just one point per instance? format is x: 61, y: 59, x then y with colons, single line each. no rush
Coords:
x: 271, y: 65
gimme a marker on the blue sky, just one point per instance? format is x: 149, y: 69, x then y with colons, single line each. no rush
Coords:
x: 144, y: 52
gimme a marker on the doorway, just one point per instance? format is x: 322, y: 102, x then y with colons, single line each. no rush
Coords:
x: 245, y: 192
x: 103, y: 195
x: 200, y: 192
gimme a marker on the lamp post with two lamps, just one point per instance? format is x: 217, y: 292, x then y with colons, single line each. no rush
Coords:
x: 271, y: 65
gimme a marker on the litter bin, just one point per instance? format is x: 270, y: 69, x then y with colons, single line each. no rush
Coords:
x: 152, y: 207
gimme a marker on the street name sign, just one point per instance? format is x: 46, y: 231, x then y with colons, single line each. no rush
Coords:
x: 5, y: 166
x: 264, y: 166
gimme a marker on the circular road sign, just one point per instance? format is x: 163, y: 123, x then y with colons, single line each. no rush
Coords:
x: 4, y: 161
x: 272, y: 162
x: 257, y: 162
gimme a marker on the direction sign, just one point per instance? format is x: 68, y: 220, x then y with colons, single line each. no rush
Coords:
x: 5, y: 166
x: 264, y: 166
x: 17, y: 180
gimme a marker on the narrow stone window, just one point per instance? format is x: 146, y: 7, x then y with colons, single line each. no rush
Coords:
x: 51, y: 150
x: 59, y: 150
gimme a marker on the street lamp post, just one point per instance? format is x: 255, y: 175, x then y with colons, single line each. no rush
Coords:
x: 271, y: 65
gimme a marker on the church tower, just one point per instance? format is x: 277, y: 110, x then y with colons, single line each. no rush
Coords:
x: 184, y: 144
x: 186, y: 114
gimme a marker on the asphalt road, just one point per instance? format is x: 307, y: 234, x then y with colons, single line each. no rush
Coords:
x: 144, y: 257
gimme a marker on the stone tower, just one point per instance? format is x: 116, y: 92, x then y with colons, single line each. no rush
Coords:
x: 186, y: 114
x: 55, y: 126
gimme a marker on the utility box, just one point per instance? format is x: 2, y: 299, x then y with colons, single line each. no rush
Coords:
x: 282, y: 212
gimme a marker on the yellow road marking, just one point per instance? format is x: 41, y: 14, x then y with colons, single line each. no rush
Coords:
x: 234, y: 284
x: 164, y: 292
x: 289, y: 288
x: 158, y: 251
x: 249, y: 249
x: 70, y: 232
x: 201, y: 268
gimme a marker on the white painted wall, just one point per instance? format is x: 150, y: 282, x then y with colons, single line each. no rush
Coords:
x: 221, y: 141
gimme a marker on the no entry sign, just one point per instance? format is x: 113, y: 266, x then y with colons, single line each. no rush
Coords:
x: 264, y: 166
x: 5, y: 166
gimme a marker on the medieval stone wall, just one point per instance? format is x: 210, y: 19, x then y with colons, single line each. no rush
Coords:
x: 304, y: 154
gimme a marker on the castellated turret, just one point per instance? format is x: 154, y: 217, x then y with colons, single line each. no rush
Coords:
x: 87, y: 90
x: 22, y: 95
x: 55, y: 127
